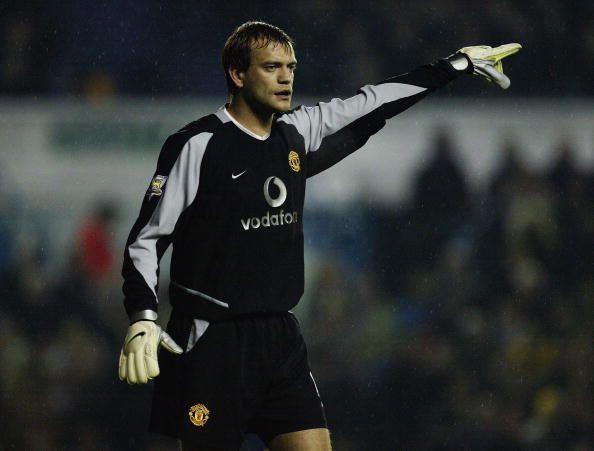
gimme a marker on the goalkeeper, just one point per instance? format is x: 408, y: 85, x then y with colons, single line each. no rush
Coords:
x: 228, y: 194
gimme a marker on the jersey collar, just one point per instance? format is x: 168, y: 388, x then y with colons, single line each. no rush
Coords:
x: 244, y: 129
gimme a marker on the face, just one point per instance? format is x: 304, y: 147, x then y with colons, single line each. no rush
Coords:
x: 267, y: 85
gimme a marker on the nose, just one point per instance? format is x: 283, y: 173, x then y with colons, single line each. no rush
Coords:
x: 285, y: 75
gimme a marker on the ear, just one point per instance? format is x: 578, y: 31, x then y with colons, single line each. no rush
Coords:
x: 236, y: 76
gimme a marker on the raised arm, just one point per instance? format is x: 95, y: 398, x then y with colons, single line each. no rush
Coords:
x: 383, y: 100
x: 365, y: 113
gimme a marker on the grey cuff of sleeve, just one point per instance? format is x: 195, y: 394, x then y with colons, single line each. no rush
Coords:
x: 460, y: 62
x: 143, y: 315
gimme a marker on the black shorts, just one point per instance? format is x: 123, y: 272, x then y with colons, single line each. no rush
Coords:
x: 245, y: 375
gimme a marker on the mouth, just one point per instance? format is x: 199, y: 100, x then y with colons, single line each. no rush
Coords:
x: 285, y: 94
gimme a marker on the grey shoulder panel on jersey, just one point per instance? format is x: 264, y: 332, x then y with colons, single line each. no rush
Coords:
x: 315, y: 123
x: 178, y: 192
x: 148, y: 241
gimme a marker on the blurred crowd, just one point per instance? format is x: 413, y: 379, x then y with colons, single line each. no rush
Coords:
x: 59, y: 335
x: 462, y: 320
x: 465, y: 320
x: 101, y: 49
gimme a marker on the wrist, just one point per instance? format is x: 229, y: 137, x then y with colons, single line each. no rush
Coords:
x: 143, y: 315
x: 460, y: 62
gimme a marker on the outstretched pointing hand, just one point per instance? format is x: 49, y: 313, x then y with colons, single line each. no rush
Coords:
x: 486, y: 61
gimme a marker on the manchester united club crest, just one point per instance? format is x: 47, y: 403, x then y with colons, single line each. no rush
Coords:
x: 199, y: 415
x: 294, y: 161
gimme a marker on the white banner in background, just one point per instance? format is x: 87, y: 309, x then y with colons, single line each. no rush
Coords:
x: 61, y: 157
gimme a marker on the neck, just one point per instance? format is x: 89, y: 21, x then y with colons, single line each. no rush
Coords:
x: 258, y: 122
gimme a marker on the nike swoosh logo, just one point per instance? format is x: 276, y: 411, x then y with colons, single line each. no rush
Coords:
x: 139, y: 334
x: 234, y: 176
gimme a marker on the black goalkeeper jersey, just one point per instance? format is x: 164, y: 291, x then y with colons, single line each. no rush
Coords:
x: 231, y: 202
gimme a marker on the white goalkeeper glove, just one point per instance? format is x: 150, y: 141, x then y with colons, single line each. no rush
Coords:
x: 486, y: 61
x: 138, y: 357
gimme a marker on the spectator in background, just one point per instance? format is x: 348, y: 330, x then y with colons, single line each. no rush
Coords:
x: 440, y: 188
x: 441, y: 200
x: 7, y: 225
x: 573, y: 208
x: 17, y: 74
x: 94, y: 248
x: 27, y: 34
x: 91, y: 275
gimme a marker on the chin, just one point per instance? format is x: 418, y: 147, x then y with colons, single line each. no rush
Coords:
x: 281, y: 107
x: 272, y: 106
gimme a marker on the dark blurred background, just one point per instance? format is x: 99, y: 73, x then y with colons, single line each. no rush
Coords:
x: 153, y: 47
x: 450, y: 265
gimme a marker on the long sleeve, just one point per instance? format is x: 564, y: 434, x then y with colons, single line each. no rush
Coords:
x: 341, y: 144
x: 172, y: 189
x: 365, y: 113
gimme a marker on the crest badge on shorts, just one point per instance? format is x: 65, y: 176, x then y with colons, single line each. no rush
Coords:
x: 199, y: 415
x: 294, y: 161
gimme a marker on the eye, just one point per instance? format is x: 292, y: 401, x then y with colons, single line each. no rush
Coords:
x: 270, y: 67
